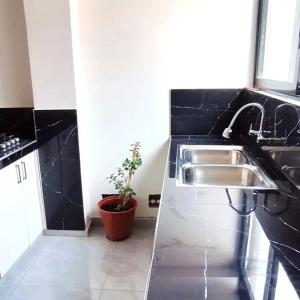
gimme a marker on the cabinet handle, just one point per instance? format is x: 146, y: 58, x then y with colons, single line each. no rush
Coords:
x: 19, y: 180
x: 24, y: 170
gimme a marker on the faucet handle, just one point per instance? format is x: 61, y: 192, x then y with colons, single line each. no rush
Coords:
x: 256, y: 132
x: 252, y: 131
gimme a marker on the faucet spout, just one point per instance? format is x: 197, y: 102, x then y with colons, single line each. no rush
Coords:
x: 227, y: 131
x: 275, y: 119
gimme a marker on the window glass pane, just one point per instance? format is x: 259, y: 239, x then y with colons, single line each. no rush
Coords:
x: 279, y: 40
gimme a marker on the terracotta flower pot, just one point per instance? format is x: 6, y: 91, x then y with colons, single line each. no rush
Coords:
x: 117, y: 225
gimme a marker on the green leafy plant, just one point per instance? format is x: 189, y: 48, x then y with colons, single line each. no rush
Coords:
x: 123, y: 177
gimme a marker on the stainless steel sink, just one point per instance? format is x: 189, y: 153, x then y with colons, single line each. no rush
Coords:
x: 288, y: 158
x: 214, y: 155
x: 294, y: 174
x: 217, y: 175
x: 219, y: 166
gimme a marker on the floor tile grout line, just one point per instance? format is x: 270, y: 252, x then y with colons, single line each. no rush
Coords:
x: 106, y: 273
x: 129, y: 291
x: 99, y: 298
x: 106, y: 276
x: 57, y: 287
x: 36, y: 252
x: 27, y: 269
x: 114, y: 290
x: 30, y: 249
x: 14, y: 287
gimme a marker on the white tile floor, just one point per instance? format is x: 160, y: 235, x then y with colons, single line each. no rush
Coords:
x: 81, y: 268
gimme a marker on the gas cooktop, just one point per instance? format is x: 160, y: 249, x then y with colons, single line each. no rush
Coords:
x: 10, y: 144
x: 8, y: 141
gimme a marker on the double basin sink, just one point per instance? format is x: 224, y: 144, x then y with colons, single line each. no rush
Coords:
x: 219, y: 166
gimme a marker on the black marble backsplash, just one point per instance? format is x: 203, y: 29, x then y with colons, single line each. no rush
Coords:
x: 18, y: 122
x: 281, y: 134
x: 57, y: 138
x: 281, y: 121
x: 209, y: 112
x: 203, y: 112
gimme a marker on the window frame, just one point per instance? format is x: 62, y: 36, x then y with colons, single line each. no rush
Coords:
x: 289, y: 86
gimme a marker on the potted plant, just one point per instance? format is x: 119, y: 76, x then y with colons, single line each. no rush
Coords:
x: 118, y: 211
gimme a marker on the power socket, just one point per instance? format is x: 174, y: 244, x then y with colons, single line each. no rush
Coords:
x: 154, y: 200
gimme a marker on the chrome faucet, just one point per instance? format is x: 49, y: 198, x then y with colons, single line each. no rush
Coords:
x: 227, y: 131
x: 275, y: 118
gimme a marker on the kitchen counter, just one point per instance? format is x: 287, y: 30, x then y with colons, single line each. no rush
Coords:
x: 25, y: 147
x: 217, y: 243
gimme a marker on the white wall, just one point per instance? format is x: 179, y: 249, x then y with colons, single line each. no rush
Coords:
x: 15, y: 80
x: 52, y: 63
x: 130, y: 54
x: 50, y: 51
x: 82, y: 114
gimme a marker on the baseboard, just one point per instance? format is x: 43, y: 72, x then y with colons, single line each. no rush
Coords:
x: 138, y: 222
x: 74, y: 233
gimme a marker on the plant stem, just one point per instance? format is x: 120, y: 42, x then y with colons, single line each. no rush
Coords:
x: 130, y: 173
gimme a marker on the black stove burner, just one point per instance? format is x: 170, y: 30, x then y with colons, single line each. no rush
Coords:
x: 5, y: 137
x: 8, y: 142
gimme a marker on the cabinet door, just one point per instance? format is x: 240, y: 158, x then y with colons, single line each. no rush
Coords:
x: 31, y: 195
x: 13, y: 225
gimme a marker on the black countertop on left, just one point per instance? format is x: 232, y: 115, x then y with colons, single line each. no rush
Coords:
x: 217, y: 243
x: 25, y: 147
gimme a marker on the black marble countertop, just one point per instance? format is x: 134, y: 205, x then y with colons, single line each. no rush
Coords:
x: 216, y: 243
x: 25, y: 147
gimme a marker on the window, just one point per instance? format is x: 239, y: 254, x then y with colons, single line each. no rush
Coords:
x: 278, y: 54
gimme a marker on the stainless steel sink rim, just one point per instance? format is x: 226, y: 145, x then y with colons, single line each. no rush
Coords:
x: 214, y: 156
x: 288, y: 159
x: 264, y: 181
x: 182, y: 149
x: 182, y: 164
x: 280, y: 148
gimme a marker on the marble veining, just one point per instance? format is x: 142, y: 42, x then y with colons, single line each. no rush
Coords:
x: 211, y: 252
x: 57, y: 137
x: 202, y: 111
x: 230, y: 244
x: 289, y: 225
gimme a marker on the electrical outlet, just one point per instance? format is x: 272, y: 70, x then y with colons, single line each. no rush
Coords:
x: 154, y: 200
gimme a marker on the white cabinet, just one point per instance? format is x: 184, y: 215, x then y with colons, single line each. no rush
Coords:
x: 13, y: 229
x: 31, y: 195
x: 20, y: 213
